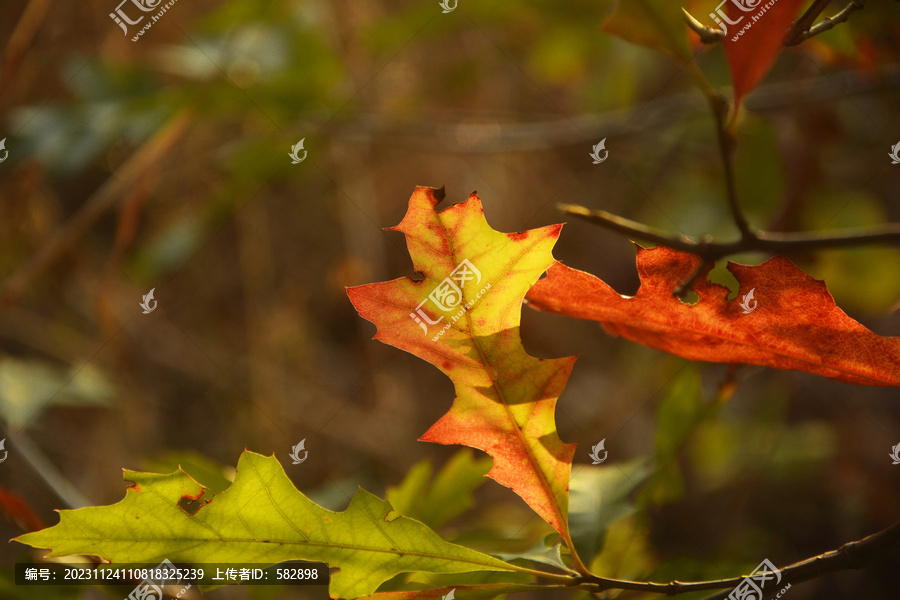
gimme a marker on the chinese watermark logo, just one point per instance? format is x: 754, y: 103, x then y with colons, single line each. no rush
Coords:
x: 721, y: 18
x: 148, y: 298
x: 448, y: 295
x: 751, y: 588
x: 6, y: 152
x: 445, y: 4
x: 595, y: 452
x: 895, y: 454
x: 894, y: 154
x: 596, y: 153
x: 122, y: 19
x: 295, y: 452
x: 151, y: 588
x: 748, y: 303
x: 296, y: 158
x: 450, y: 595
x: 3, y: 448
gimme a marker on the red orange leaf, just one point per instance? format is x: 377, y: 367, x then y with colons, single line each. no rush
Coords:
x: 505, y: 399
x: 18, y: 511
x: 754, y: 36
x: 793, y: 322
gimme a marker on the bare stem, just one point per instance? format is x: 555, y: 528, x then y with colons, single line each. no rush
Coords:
x: 852, y: 555
x: 753, y: 241
x: 804, y: 29
x: 801, y: 30
x: 726, y: 149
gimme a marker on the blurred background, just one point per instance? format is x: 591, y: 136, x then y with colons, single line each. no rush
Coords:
x: 163, y: 164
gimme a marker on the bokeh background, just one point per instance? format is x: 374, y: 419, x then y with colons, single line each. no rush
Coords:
x: 163, y: 164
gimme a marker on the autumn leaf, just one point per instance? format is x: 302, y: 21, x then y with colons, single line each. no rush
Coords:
x: 262, y: 518
x: 755, y: 39
x: 657, y: 24
x: 18, y: 511
x: 463, y: 317
x: 788, y: 319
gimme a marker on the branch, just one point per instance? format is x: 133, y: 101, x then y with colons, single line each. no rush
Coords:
x: 852, y: 555
x: 802, y: 29
x: 725, y: 136
x: 755, y: 241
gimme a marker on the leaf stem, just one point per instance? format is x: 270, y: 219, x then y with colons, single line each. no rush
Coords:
x: 852, y: 555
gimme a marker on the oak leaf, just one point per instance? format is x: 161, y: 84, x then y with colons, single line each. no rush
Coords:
x: 782, y: 317
x: 261, y: 518
x: 463, y: 317
x: 755, y: 39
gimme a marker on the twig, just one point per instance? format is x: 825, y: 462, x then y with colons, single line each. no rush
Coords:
x: 806, y: 20
x: 852, y: 555
x: 708, y: 35
x: 725, y: 136
x: 532, y: 133
x: 802, y: 29
x: 757, y: 241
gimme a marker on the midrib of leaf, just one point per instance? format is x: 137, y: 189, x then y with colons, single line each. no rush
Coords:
x: 355, y: 547
x: 532, y: 459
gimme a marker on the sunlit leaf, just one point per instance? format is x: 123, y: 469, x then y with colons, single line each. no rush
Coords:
x: 782, y: 318
x: 261, y: 518
x: 505, y: 398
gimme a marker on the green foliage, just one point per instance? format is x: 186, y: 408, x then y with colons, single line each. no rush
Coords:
x: 261, y: 518
x: 446, y: 496
x: 598, y: 497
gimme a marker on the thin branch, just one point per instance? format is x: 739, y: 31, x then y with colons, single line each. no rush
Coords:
x: 532, y: 133
x: 798, y: 34
x: 806, y: 21
x: 852, y: 555
x: 761, y: 241
x: 801, y: 30
x: 725, y: 136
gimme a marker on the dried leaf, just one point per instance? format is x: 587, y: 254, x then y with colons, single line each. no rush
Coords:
x: 790, y: 322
